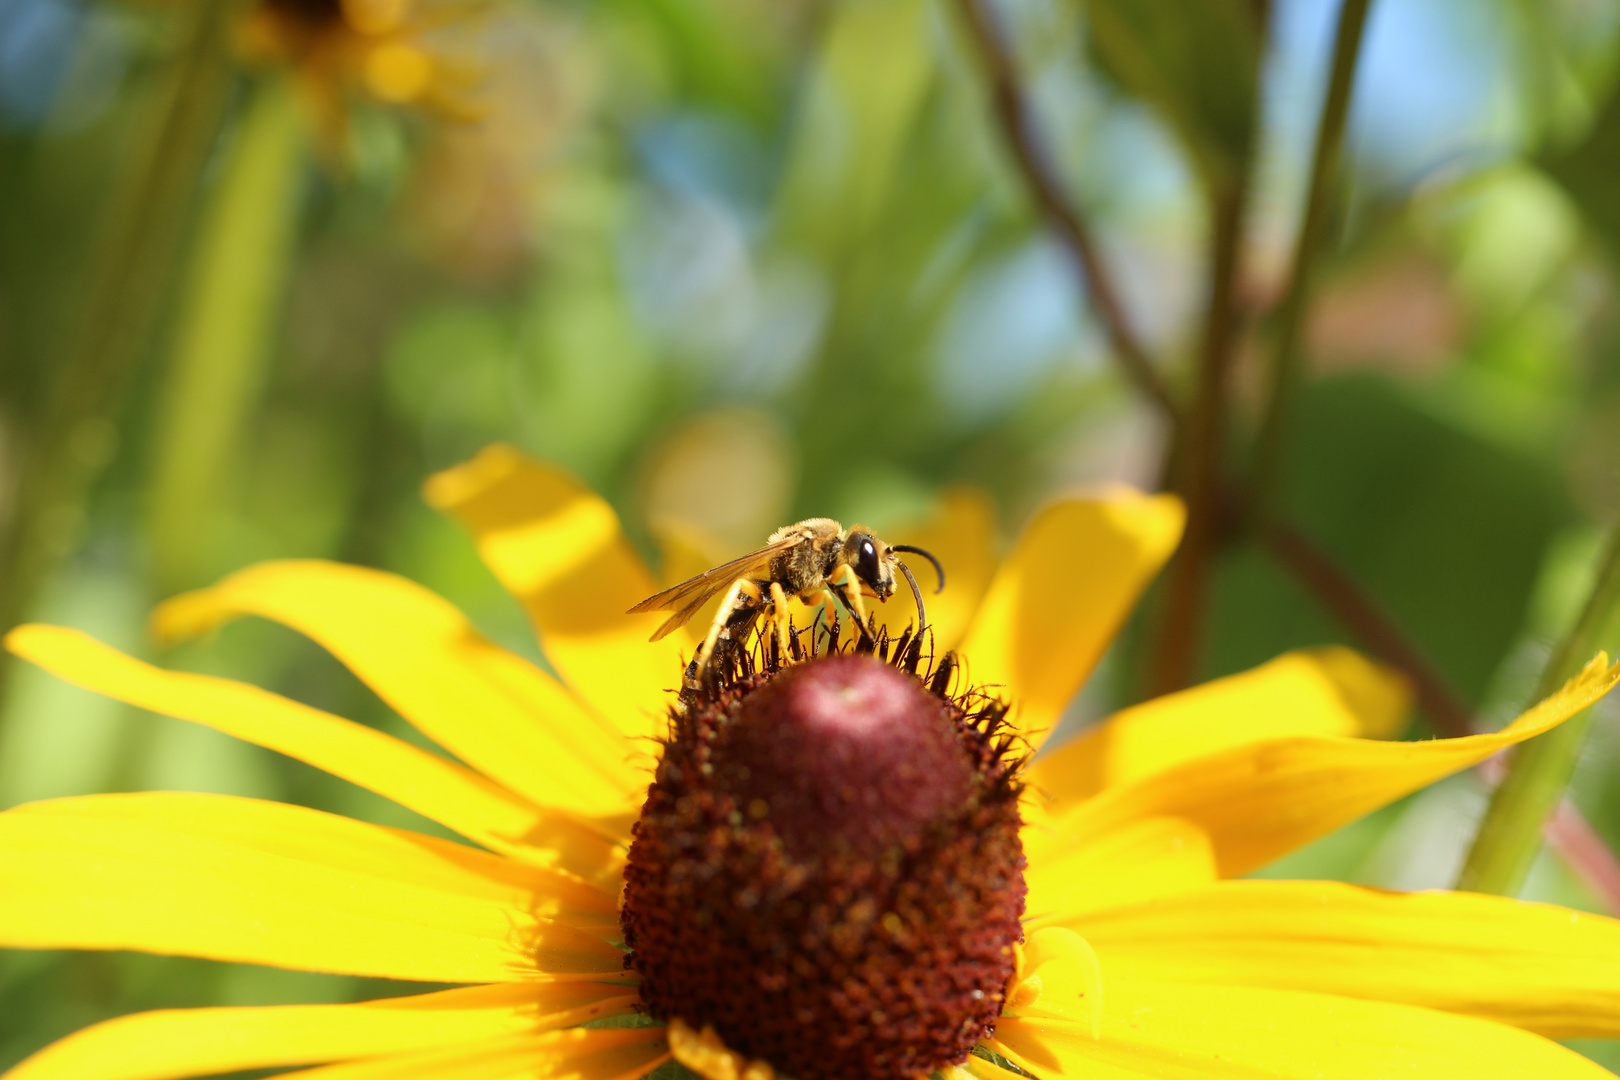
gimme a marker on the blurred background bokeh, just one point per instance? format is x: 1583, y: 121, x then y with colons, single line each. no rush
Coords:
x: 266, y: 264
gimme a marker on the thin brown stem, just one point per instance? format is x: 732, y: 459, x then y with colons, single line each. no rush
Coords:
x: 1199, y: 465
x: 1286, y: 362
x: 1377, y: 631
x: 1017, y: 122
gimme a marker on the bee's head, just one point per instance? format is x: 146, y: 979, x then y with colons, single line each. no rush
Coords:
x: 871, y: 561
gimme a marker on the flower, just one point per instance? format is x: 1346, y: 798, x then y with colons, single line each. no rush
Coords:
x: 1142, y: 956
x: 379, y: 47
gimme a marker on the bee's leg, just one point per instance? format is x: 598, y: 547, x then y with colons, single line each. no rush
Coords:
x: 779, y: 616
x: 853, y: 604
x: 853, y: 586
x: 741, y: 599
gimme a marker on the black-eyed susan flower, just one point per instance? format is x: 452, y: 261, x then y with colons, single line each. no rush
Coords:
x: 377, y: 47
x: 844, y: 867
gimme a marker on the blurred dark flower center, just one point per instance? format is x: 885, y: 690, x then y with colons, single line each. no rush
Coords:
x: 308, y: 14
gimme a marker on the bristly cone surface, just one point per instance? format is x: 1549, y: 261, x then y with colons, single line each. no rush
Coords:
x: 827, y: 868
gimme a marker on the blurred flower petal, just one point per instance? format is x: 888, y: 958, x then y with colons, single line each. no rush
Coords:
x: 266, y: 883
x: 1328, y: 691
x: 499, y: 713
x: 556, y: 546
x: 1262, y: 800
x: 571, y: 1054
x: 962, y: 537
x: 1546, y: 969
x: 438, y: 789
x: 174, y: 1043
x: 1139, y: 861
x: 1186, y: 1032
x: 1057, y: 602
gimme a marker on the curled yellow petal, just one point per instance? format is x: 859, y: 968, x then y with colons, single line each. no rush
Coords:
x: 497, y: 712
x: 570, y: 1054
x: 1059, y: 976
x: 1188, y: 1031
x: 1261, y: 800
x: 1058, y: 600
x: 1328, y: 691
x: 432, y: 786
x: 1535, y: 966
x: 173, y: 1043
x: 265, y: 883
x: 557, y: 546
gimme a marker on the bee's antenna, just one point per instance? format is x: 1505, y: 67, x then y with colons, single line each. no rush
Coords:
x: 938, y: 569
x: 916, y: 593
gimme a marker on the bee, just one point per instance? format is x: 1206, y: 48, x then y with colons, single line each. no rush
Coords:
x: 814, y: 558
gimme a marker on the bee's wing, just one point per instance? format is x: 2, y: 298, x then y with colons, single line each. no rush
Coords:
x: 691, y: 594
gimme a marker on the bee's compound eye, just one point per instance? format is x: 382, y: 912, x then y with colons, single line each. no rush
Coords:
x: 866, y: 562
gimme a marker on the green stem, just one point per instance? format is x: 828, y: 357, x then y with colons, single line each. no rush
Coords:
x: 228, y: 302
x: 1510, y: 835
x: 1285, y: 370
x: 70, y: 432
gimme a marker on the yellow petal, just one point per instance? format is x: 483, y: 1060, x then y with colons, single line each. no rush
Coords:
x: 1059, y: 599
x: 1181, y: 1031
x: 1329, y: 691
x: 556, y: 545
x: 265, y: 883
x: 497, y: 712
x: 432, y: 786
x: 175, y: 1043
x: 962, y: 537
x: 570, y: 1054
x: 1261, y: 800
x: 1535, y: 966
x: 1138, y: 861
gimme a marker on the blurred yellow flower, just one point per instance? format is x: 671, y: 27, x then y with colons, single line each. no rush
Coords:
x: 1141, y: 958
x: 378, y: 47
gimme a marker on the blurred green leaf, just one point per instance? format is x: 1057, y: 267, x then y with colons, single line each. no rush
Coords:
x: 223, y: 341
x: 870, y: 80
x: 1196, y: 62
x: 1588, y: 169
x: 1443, y: 529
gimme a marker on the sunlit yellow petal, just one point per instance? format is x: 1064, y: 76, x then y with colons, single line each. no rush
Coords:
x: 1140, y: 860
x: 429, y: 784
x: 1055, y: 604
x: 1165, y: 1030
x: 557, y: 546
x: 962, y: 537
x: 1261, y: 800
x: 1331, y: 691
x: 495, y: 711
x: 570, y: 1054
x: 1548, y: 969
x: 267, y: 883
x: 176, y: 1043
